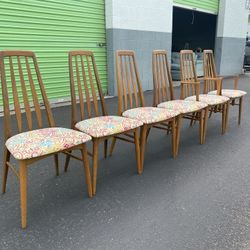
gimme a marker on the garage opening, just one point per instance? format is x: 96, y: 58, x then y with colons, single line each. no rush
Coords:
x: 191, y: 30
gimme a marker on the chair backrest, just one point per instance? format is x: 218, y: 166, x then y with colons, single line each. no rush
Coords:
x: 22, y: 85
x: 188, y: 74
x: 163, y: 85
x: 85, y: 86
x: 130, y: 93
x: 209, y: 70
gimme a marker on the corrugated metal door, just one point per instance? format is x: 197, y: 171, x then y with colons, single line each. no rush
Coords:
x: 51, y: 28
x: 203, y: 5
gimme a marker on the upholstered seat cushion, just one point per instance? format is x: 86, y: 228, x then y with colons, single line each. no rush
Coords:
x: 107, y: 125
x: 230, y: 93
x: 44, y: 141
x: 183, y: 106
x: 209, y: 99
x: 150, y: 115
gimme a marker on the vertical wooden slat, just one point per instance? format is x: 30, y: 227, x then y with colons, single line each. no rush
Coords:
x: 133, y: 82
x: 165, y: 76
x: 92, y: 87
x: 194, y: 77
x: 15, y: 96
x: 158, y: 79
x: 156, y: 100
x: 192, y: 69
x: 161, y: 77
x: 87, y: 96
x: 186, y: 72
x: 79, y: 85
x: 155, y: 80
x: 208, y: 87
x: 128, y: 78
x: 25, y: 96
x: 119, y: 88
x: 123, y: 84
x: 212, y: 69
x: 73, y: 98
x: 205, y: 72
x: 34, y: 94
x: 190, y: 74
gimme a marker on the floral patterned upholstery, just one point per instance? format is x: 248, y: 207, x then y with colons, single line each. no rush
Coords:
x: 209, y: 99
x: 230, y: 93
x: 44, y: 141
x: 183, y: 106
x: 150, y: 115
x: 107, y: 125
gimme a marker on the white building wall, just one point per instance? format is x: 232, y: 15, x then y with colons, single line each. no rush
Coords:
x: 139, y: 25
x: 231, y: 36
x: 232, y: 19
x: 144, y: 15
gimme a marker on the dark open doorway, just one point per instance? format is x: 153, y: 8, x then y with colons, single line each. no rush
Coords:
x: 193, y: 29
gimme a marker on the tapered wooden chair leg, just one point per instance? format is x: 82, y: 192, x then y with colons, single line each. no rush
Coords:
x: 240, y: 110
x: 143, y: 139
x: 112, y: 146
x: 201, y: 127
x: 86, y: 170
x: 174, y: 138
x: 95, y: 165
x: 67, y: 162
x: 205, y: 124
x: 105, y: 148
x: 56, y: 164
x: 6, y: 158
x: 178, y: 132
x: 137, y: 151
x: 23, y: 193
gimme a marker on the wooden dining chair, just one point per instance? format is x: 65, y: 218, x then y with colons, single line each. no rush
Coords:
x: 86, y: 89
x: 164, y: 94
x: 210, y: 83
x: 189, y: 82
x: 22, y: 84
x: 131, y: 102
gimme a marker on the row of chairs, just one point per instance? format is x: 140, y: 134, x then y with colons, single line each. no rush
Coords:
x: 90, y: 119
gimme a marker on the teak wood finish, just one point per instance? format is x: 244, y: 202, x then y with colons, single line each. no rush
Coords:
x: 130, y: 95
x: 212, y: 80
x: 20, y: 68
x: 164, y: 91
x: 190, y: 85
x: 84, y: 78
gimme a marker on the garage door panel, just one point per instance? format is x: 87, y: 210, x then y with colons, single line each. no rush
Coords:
x: 205, y: 5
x: 51, y: 28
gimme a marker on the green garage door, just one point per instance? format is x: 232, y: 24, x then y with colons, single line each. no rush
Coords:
x: 51, y: 28
x: 203, y: 5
